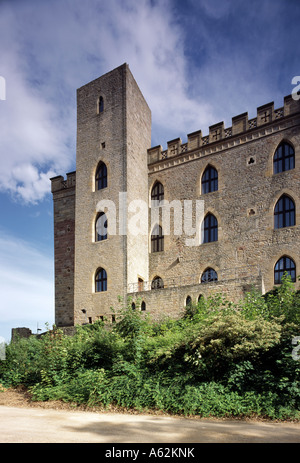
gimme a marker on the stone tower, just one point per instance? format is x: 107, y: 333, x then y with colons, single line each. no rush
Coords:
x: 113, y: 135
x: 246, y: 177
x: 64, y: 247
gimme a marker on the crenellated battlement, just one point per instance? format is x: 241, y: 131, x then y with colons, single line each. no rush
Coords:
x: 241, y: 125
x: 59, y: 183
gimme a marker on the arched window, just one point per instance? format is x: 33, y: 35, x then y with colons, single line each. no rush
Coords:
x: 157, y: 239
x: 101, y: 105
x: 210, y: 229
x: 209, y: 180
x: 284, y: 158
x: 101, y: 176
x: 284, y: 265
x: 157, y: 193
x: 284, y: 212
x: 209, y: 275
x: 157, y: 283
x: 101, y: 280
x: 101, y: 227
x: 188, y: 301
x: 133, y: 306
x: 143, y: 306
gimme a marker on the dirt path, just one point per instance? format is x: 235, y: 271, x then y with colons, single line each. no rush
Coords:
x: 23, y: 421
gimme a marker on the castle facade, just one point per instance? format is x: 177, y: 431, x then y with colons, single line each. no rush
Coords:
x: 217, y: 214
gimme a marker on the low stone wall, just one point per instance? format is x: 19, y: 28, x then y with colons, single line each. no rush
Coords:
x: 170, y: 302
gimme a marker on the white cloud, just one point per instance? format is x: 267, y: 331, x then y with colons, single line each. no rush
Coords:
x: 48, y: 49
x: 51, y: 48
x: 32, y: 139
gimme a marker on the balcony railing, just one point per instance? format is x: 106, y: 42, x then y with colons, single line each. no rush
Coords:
x: 235, y: 273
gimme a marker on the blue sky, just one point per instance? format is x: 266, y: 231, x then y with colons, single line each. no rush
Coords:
x: 197, y: 62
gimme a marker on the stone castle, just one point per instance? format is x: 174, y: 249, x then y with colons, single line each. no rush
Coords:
x: 221, y: 211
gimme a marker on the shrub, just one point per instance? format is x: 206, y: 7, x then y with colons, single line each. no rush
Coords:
x: 219, y: 359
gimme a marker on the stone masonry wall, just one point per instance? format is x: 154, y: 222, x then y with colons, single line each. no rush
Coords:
x: 243, y: 205
x: 248, y: 246
x: 118, y: 136
x: 64, y: 247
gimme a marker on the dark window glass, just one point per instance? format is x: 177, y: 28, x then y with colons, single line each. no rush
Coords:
x: 157, y: 283
x: 284, y: 264
x: 101, y: 176
x: 157, y: 239
x: 143, y: 306
x: 210, y: 229
x: 157, y: 193
x: 188, y: 301
x: 101, y: 281
x: 209, y: 275
x: 284, y: 213
x: 209, y: 180
x: 101, y: 227
x: 284, y: 158
x: 101, y: 104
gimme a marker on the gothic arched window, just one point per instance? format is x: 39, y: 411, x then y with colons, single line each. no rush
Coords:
x: 188, y: 301
x: 210, y: 229
x: 157, y: 193
x: 284, y: 158
x: 101, y: 280
x: 284, y: 212
x: 101, y: 176
x: 101, y: 227
x: 157, y: 283
x: 284, y: 265
x: 209, y: 180
x: 209, y: 275
x: 157, y: 239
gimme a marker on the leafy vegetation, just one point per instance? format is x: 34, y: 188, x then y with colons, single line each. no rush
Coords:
x: 218, y: 359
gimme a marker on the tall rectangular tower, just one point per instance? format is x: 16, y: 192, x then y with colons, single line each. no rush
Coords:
x: 64, y: 246
x: 113, y: 134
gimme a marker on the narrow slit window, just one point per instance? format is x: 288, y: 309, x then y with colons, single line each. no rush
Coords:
x: 101, y: 104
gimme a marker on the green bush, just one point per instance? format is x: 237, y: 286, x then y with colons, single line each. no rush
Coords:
x: 219, y: 359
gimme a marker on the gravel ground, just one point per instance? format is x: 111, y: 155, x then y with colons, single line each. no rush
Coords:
x: 24, y: 421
